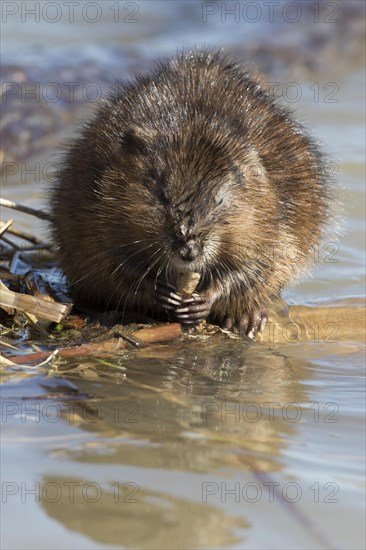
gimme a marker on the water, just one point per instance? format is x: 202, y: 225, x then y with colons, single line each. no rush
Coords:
x: 200, y: 444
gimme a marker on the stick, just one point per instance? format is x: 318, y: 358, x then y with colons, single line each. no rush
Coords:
x: 5, y: 226
x: 187, y: 283
x: 30, y: 304
x: 26, y: 209
x: 28, y: 237
x: 160, y: 333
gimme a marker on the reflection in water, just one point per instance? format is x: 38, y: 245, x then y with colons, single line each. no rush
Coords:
x: 206, y: 407
x: 129, y: 516
x: 197, y: 412
x: 213, y: 410
x: 212, y: 407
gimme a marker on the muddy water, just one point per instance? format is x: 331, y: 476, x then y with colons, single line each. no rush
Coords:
x: 200, y: 444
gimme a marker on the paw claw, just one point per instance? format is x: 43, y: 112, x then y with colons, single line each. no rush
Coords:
x: 249, y: 324
x: 194, y: 310
x: 166, y: 296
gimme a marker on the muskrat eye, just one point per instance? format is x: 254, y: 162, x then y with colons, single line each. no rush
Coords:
x: 163, y: 196
x: 154, y: 177
x: 156, y: 182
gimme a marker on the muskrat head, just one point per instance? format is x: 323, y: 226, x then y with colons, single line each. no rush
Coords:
x: 184, y: 197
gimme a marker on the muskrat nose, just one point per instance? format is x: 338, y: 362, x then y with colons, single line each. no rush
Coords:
x: 189, y: 251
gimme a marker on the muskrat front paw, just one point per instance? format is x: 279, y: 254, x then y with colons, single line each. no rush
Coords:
x: 166, y: 295
x: 249, y: 324
x: 193, y: 310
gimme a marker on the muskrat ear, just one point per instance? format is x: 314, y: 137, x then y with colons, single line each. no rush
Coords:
x: 136, y: 139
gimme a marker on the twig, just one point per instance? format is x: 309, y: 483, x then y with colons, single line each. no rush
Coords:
x: 27, y: 236
x: 26, y: 209
x: 5, y: 362
x: 5, y: 226
x: 49, y: 358
x: 160, y: 333
x: 30, y: 304
x: 8, y: 276
x: 10, y: 243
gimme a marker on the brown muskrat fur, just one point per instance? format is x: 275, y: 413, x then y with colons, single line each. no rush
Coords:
x: 193, y: 167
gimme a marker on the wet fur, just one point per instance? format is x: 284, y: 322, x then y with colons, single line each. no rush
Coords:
x: 197, y: 143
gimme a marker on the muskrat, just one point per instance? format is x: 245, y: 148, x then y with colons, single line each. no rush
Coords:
x: 193, y: 167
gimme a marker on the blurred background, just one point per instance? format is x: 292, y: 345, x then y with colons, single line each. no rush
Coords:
x: 59, y: 59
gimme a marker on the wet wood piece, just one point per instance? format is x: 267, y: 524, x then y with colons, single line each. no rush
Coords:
x: 41, y: 308
x: 188, y: 283
x: 150, y: 335
x: 26, y: 209
x: 5, y: 226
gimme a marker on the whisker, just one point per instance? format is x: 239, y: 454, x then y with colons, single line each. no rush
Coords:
x: 131, y: 256
x: 133, y: 290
